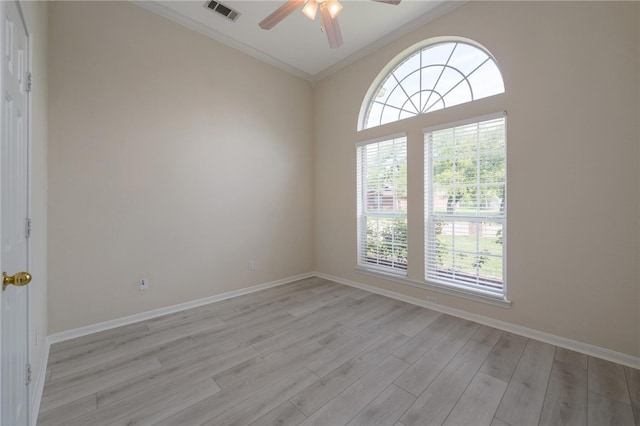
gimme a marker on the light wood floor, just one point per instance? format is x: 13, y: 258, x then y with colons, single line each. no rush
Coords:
x: 317, y: 352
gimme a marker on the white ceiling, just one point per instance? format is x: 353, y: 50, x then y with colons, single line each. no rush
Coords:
x: 297, y: 44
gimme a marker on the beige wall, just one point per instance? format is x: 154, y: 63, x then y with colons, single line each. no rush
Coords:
x: 36, y: 17
x: 571, y: 76
x: 172, y: 158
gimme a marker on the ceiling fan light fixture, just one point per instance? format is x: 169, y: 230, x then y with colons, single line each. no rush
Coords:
x: 334, y: 7
x: 310, y: 9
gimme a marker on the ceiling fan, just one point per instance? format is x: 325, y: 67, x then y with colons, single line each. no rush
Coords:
x: 329, y: 10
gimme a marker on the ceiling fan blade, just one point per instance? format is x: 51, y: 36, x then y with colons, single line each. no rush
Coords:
x: 388, y: 1
x: 280, y: 13
x: 331, y: 27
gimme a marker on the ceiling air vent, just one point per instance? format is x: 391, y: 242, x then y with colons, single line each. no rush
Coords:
x: 223, y: 10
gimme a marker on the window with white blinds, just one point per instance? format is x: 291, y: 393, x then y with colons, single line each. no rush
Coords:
x: 382, y: 204
x: 465, y: 210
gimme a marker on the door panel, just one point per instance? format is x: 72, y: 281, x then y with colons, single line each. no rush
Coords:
x: 13, y: 211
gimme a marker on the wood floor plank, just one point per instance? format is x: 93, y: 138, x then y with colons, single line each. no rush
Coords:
x: 190, y: 369
x: 210, y: 407
x: 322, y: 391
x: 478, y: 403
x: 364, y: 340
x: 263, y: 311
x: 99, y: 337
x: 572, y: 357
x: 64, y: 392
x: 335, y: 358
x: 224, y: 345
x: 503, y: 359
x: 159, y: 410
x: 286, y: 414
x: 605, y: 411
x: 69, y: 356
x: 297, y: 327
x: 565, y: 402
x: 608, y: 379
x: 439, y: 398
x: 498, y: 422
x: 169, y: 320
x: 168, y: 334
x: 292, y: 357
x: 420, y: 322
x: 524, y: 397
x: 633, y: 383
x: 219, y: 403
x: 87, y: 364
x: 263, y: 402
x: 310, y: 333
x: 310, y: 305
x: 358, y: 294
x: 349, y: 402
x: 247, y: 303
x: 386, y: 409
x: 133, y: 402
x: 278, y: 301
x: 421, y: 343
x: 331, y: 317
x: 418, y: 377
x: 376, y: 312
x: 63, y: 414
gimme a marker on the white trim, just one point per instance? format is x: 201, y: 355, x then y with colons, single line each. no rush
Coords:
x: 381, y: 139
x: 487, y: 117
x: 438, y: 288
x: 585, y: 348
x: 119, y: 322
x: 38, y: 385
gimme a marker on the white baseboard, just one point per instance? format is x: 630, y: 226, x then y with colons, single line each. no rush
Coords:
x: 119, y: 322
x: 38, y: 385
x: 563, y: 342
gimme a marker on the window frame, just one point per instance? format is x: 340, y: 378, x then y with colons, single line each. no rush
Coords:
x: 427, y: 176
x: 361, y: 210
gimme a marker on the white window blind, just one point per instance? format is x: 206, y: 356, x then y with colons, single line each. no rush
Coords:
x: 465, y: 214
x: 382, y: 204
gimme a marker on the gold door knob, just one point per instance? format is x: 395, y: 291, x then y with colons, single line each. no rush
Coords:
x: 19, y: 279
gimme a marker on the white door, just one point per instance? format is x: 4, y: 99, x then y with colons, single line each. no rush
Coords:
x: 14, y: 153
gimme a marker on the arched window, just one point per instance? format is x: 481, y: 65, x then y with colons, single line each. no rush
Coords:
x: 464, y: 174
x: 429, y: 78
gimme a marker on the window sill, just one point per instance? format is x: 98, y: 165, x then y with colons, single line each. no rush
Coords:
x: 438, y: 288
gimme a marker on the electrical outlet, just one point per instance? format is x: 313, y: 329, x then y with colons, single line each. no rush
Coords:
x: 250, y: 265
x: 432, y: 299
x: 143, y: 284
